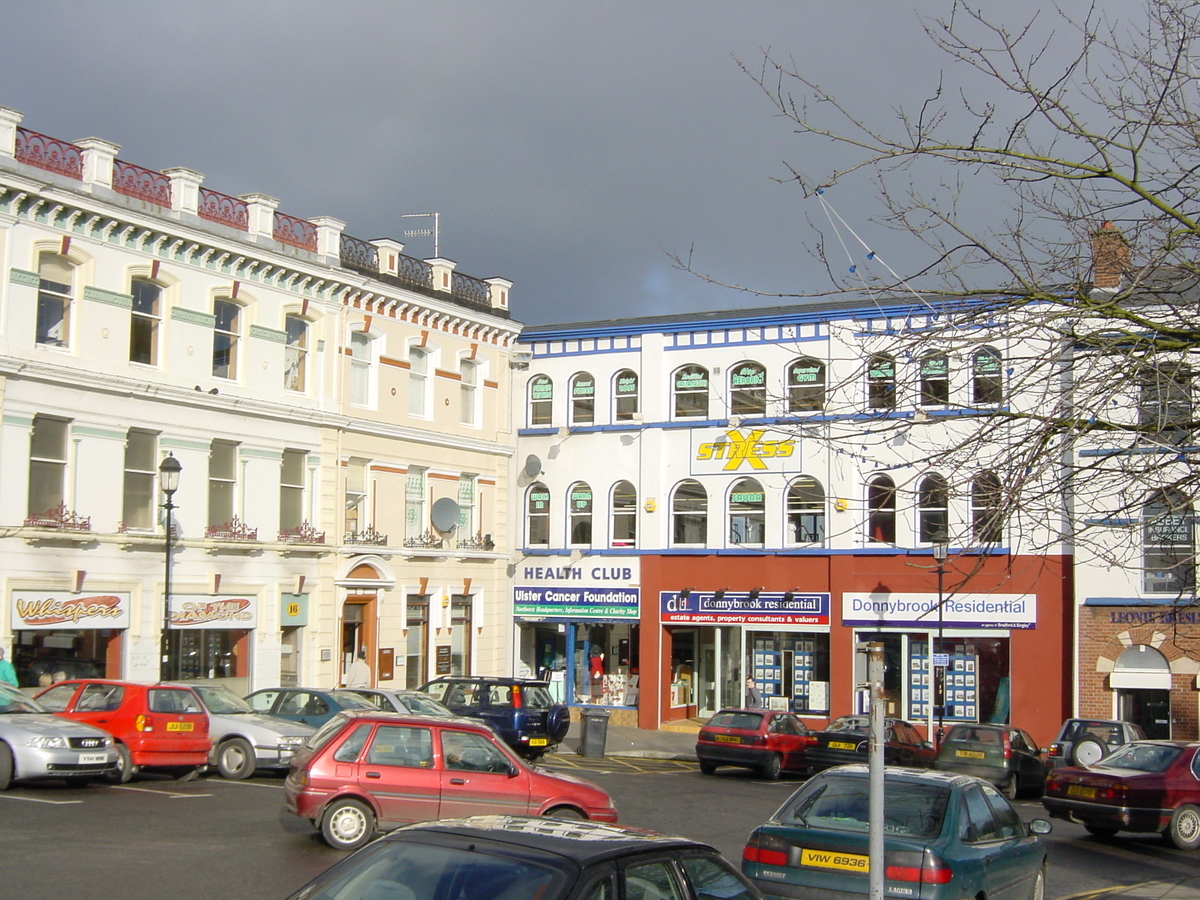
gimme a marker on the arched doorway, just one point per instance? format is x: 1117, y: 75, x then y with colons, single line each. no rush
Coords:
x: 1141, y: 678
x: 359, y: 619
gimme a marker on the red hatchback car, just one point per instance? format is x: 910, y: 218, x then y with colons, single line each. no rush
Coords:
x: 364, y: 771
x: 155, y: 725
x: 1146, y: 786
x: 763, y: 739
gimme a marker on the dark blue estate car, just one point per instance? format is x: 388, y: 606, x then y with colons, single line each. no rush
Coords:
x: 521, y: 710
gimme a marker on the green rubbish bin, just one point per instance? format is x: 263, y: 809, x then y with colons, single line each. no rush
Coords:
x: 594, y: 733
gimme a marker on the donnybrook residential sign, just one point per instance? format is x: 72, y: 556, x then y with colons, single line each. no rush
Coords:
x: 958, y: 610
x: 593, y: 587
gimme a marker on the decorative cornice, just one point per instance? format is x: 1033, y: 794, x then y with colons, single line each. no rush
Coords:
x: 206, y: 320
x: 112, y: 298
x: 268, y: 334
x: 20, y: 276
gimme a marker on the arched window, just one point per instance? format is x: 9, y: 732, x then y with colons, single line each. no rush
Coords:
x: 881, y: 510
x: 56, y: 279
x: 987, y: 377
x: 747, y: 512
x: 537, y: 516
x: 227, y: 335
x: 881, y: 382
x: 748, y: 390
x: 144, y: 319
x: 625, y: 395
x: 806, y: 511
x: 623, y: 529
x: 1168, y: 544
x: 689, y: 514
x: 295, y: 359
x: 541, y: 400
x: 933, y: 501
x: 583, y: 399
x: 806, y: 385
x: 579, y: 513
x: 418, y: 381
x: 690, y: 386
x: 360, y: 368
x: 935, y: 379
x: 987, y: 501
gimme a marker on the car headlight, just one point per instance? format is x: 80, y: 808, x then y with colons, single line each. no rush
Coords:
x: 46, y: 742
x: 289, y: 741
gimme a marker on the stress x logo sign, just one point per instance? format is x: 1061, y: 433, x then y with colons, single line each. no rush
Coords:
x: 751, y: 448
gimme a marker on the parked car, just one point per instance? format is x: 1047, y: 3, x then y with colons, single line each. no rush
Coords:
x: 415, y: 702
x: 36, y: 744
x: 244, y: 740
x: 308, y: 706
x: 845, y: 742
x: 154, y: 725
x: 770, y: 741
x: 1082, y: 742
x: 522, y: 711
x: 365, y: 771
x: 1005, y: 756
x: 517, y: 858
x: 1145, y: 786
x: 945, y: 836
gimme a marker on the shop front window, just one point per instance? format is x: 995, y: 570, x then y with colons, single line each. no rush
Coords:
x: 791, y: 671
x: 44, y: 657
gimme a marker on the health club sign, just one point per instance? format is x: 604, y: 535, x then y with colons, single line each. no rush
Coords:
x: 591, y: 588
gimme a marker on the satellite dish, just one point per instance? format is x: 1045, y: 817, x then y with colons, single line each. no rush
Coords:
x: 533, y: 466
x: 444, y: 514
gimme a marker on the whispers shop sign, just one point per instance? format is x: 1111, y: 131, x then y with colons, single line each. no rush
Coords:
x: 747, y: 608
x: 589, y: 588
x: 47, y: 610
x: 219, y: 612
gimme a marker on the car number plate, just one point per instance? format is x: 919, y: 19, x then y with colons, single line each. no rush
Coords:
x: 827, y: 859
x: 91, y: 759
x: 1078, y: 790
x: 842, y: 745
x: 537, y: 742
x: 181, y: 726
x: 729, y: 739
x: 970, y: 754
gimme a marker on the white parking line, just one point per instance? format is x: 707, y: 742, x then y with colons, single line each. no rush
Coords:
x: 272, y: 787
x: 38, y: 800
x: 171, y: 795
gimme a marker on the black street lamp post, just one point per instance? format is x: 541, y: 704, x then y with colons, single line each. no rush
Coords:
x: 941, y: 549
x: 168, y: 475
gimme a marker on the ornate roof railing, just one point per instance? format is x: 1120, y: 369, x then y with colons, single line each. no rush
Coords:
x: 60, y: 518
x: 218, y: 207
x: 145, y: 184
x: 295, y: 232
x: 49, y: 153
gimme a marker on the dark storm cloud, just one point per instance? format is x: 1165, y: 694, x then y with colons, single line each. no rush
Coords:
x: 567, y: 146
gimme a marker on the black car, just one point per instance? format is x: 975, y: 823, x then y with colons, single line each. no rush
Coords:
x: 518, y: 858
x: 1001, y: 754
x: 521, y: 710
x: 845, y: 742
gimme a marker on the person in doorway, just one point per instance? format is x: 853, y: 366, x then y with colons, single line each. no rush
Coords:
x: 7, y: 673
x: 359, y: 673
x: 753, y: 697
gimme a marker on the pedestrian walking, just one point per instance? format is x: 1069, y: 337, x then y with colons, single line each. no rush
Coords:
x: 359, y: 673
x: 7, y: 673
x: 753, y: 697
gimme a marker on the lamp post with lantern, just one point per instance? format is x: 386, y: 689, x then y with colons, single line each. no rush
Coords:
x: 941, y: 549
x: 168, y: 482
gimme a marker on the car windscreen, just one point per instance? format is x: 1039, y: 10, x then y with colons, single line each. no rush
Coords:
x: 748, y: 721
x: 1143, y: 757
x: 408, y: 870
x: 220, y: 701
x: 851, y: 724
x: 351, y: 700
x: 13, y: 701
x: 426, y: 706
x: 911, y: 809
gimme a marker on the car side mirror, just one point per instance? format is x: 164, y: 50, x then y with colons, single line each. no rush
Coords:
x: 513, y: 771
x: 928, y: 745
x: 1039, y: 826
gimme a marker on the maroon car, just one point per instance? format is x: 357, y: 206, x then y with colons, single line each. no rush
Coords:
x: 763, y: 739
x: 1146, y: 786
x: 367, y: 771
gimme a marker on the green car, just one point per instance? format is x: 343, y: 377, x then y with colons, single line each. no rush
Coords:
x: 1000, y: 754
x: 946, y: 836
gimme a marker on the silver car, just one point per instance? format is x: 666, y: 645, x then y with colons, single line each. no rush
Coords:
x: 414, y: 702
x: 244, y: 740
x: 35, y: 743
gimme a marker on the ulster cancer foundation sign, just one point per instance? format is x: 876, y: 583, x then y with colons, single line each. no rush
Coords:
x: 590, y: 588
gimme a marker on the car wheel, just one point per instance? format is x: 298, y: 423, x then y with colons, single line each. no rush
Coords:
x: 6, y: 767
x: 1099, y: 831
x: 347, y: 824
x: 771, y: 767
x: 125, y: 770
x: 558, y: 722
x: 1088, y: 751
x: 1039, y: 885
x: 565, y: 812
x: 1012, y: 787
x: 707, y: 766
x: 235, y: 759
x: 1184, y: 830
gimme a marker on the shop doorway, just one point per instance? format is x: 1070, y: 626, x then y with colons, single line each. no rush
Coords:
x: 1147, y: 708
x: 416, y: 641
x: 289, y: 659
x: 1142, y: 680
x: 358, y: 632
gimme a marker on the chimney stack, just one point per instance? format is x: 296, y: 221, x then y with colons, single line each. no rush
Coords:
x: 1110, y: 258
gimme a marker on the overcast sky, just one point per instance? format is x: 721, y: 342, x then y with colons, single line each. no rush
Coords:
x: 568, y: 146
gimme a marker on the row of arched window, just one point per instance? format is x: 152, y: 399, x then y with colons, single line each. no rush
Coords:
x: 804, y: 508
x: 805, y: 388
